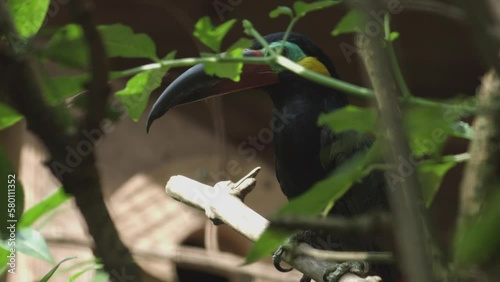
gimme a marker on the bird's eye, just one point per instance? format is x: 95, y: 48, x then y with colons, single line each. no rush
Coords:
x: 278, y: 47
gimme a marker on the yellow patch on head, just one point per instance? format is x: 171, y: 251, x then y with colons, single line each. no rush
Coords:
x: 313, y: 64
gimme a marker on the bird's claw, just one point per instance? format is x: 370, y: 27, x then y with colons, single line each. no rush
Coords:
x: 277, y: 259
x: 356, y: 267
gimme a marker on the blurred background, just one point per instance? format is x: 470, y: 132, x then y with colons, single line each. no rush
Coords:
x: 201, y: 140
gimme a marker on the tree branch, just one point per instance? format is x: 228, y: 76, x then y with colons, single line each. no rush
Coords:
x: 23, y: 91
x: 83, y: 12
x: 482, y: 172
x: 223, y: 203
x: 405, y: 196
x: 377, y: 225
x: 334, y: 256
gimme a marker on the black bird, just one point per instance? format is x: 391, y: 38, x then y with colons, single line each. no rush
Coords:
x: 304, y: 152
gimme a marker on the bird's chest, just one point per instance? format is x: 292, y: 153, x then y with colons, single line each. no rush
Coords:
x: 297, y: 146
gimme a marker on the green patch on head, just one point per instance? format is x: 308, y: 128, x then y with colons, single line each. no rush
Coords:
x: 290, y: 50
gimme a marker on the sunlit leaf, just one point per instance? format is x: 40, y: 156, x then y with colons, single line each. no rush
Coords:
x: 121, y: 41
x: 302, y: 8
x: 226, y: 70
x: 477, y: 240
x: 315, y: 200
x: 350, y: 118
x: 281, y: 10
x: 393, y: 35
x: 431, y: 175
x: 28, y: 15
x: 30, y: 242
x: 43, y: 207
x: 4, y: 260
x: 100, y: 276
x: 53, y: 270
x: 135, y: 95
x: 12, y: 196
x: 68, y: 46
x: 8, y: 116
x: 210, y: 35
x: 349, y: 23
x: 242, y: 43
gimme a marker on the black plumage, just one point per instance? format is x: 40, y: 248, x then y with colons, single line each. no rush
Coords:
x: 304, y: 152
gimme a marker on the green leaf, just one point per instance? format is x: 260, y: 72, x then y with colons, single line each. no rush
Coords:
x: 43, y: 207
x: 393, y: 36
x: 28, y: 15
x: 302, y: 8
x: 281, y: 10
x: 428, y: 129
x: 430, y: 176
x: 100, y: 276
x: 463, y: 130
x: 268, y: 242
x: 228, y: 70
x: 212, y: 36
x: 323, y: 194
x: 135, y: 95
x: 58, y: 88
x: 53, y: 270
x: 225, y: 70
x: 12, y: 189
x: 350, y: 118
x: 68, y: 46
x: 30, y: 242
x: 242, y: 43
x: 85, y: 270
x: 121, y: 41
x: 4, y: 260
x: 349, y: 23
x: 8, y: 116
x: 477, y: 240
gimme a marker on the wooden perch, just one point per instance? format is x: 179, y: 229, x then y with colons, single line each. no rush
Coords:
x: 223, y: 203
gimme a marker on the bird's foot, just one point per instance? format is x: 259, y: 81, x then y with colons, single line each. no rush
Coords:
x: 359, y: 268
x: 277, y: 257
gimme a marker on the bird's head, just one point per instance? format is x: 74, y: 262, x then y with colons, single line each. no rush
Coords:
x: 194, y: 84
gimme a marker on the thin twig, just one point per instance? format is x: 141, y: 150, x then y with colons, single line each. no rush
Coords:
x: 372, y: 225
x: 306, y: 250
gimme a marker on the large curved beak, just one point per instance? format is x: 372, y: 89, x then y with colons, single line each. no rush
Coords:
x: 194, y: 85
